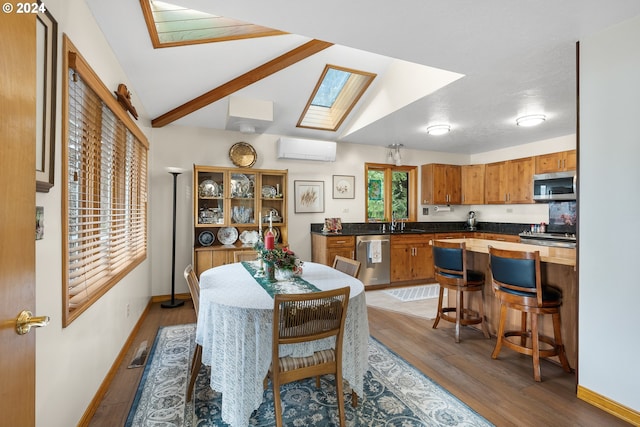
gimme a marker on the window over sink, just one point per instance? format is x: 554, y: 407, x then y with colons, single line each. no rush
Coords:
x: 391, y: 192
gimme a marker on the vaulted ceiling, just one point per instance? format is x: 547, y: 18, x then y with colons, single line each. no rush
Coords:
x: 474, y: 65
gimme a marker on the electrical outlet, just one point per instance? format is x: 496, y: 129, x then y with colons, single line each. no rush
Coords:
x: 128, y: 309
x: 345, y: 210
x: 509, y: 210
x: 425, y: 211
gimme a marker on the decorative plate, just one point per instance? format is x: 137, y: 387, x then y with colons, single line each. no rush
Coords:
x: 249, y: 237
x: 276, y: 232
x: 206, y: 238
x: 208, y: 188
x: 242, y: 155
x: 241, y: 186
x: 268, y: 191
x: 228, y: 235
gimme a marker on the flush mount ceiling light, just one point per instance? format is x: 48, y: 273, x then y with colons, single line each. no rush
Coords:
x: 532, y: 120
x: 438, y: 129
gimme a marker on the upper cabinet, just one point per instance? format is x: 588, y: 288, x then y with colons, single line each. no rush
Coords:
x: 510, y: 181
x: 557, y: 162
x: 441, y: 184
x: 472, y: 184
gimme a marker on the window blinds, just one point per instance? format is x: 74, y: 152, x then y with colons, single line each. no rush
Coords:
x: 105, y: 197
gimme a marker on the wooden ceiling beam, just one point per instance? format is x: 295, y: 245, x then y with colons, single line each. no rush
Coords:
x: 265, y: 70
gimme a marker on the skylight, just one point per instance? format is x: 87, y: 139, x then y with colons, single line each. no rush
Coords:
x: 172, y: 25
x: 334, y: 96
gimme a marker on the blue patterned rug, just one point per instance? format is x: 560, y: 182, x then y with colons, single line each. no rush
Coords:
x: 396, y: 394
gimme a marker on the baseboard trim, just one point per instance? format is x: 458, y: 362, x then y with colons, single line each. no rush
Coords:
x: 627, y: 414
x: 104, y: 387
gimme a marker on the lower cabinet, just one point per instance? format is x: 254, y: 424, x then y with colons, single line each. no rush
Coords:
x: 411, y: 258
x: 325, y: 248
x: 206, y: 258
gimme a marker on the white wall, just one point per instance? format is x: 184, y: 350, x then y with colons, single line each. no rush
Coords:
x: 183, y: 147
x: 608, y: 206
x: 71, y: 363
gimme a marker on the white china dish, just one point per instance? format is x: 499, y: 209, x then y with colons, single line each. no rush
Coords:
x: 249, y: 237
x: 206, y: 238
x: 228, y: 235
x: 208, y: 188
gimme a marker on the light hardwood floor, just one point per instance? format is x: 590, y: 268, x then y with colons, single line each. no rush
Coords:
x: 503, y: 391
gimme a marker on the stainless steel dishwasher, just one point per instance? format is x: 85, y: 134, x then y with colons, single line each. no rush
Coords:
x: 375, y: 268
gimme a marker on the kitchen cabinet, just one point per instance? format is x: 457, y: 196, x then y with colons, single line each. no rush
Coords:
x: 324, y: 248
x: 411, y: 258
x: 441, y: 184
x: 557, y: 162
x: 231, y: 206
x: 509, y: 182
x: 472, y: 184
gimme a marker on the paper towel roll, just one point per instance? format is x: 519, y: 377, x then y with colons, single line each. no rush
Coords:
x: 442, y: 208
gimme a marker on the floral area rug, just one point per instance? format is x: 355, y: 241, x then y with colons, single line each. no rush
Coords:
x: 396, y: 394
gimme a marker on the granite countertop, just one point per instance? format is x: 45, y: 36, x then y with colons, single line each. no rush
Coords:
x: 362, y: 229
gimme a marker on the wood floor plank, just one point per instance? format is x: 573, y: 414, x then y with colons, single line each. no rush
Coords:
x: 503, y: 390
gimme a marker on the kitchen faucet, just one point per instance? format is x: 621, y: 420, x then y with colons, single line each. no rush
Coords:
x: 393, y: 221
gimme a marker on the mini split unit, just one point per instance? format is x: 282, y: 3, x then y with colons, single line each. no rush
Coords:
x: 306, y: 149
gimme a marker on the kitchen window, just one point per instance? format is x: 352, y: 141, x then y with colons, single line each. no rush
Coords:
x: 391, y: 192
x: 104, y: 177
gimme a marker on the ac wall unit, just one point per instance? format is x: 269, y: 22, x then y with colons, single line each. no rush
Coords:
x: 306, y: 149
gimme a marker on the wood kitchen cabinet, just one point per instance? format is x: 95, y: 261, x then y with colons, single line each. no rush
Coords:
x: 411, y: 258
x: 510, y: 181
x: 441, y: 184
x: 557, y: 162
x: 325, y: 248
x: 472, y: 184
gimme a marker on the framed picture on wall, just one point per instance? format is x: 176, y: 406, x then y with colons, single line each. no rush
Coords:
x: 308, y: 196
x: 343, y: 187
x: 46, y: 51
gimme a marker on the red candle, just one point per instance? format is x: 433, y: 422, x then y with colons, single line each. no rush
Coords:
x: 269, y: 240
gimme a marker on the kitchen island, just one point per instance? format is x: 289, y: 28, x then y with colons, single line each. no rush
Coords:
x: 558, y: 269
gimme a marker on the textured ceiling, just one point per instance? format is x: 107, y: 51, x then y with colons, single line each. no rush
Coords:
x: 515, y: 57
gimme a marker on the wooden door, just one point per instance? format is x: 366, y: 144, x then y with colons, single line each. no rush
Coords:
x: 400, y: 262
x: 494, y: 187
x: 521, y: 180
x: 571, y: 160
x: 472, y: 184
x: 17, y: 214
x: 546, y: 163
x: 453, y: 184
x: 422, y: 262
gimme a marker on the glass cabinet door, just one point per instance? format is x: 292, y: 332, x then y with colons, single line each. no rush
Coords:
x: 210, y: 205
x: 242, y: 187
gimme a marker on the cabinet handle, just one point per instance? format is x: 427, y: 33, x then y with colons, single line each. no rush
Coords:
x: 559, y: 163
x: 341, y: 241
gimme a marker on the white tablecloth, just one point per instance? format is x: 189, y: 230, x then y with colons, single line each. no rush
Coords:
x: 234, y: 328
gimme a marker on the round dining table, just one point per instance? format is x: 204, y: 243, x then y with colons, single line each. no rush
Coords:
x: 234, y: 328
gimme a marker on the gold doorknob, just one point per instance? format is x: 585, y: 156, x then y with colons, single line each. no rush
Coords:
x: 26, y: 321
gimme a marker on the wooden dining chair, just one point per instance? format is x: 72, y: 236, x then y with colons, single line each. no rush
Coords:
x: 347, y: 265
x: 196, y: 363
x: 239, y: 256
x: 308, y: 317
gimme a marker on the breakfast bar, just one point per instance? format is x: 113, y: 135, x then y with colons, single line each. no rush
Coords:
x: 558, y: 269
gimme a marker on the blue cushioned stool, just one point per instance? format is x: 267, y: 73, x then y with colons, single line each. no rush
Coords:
x: 516, y: 282
x: 450, y: 263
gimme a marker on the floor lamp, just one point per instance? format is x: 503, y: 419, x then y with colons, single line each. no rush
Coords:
x: 173, y: 303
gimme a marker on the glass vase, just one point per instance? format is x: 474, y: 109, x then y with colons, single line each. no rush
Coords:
x: 269, y: 271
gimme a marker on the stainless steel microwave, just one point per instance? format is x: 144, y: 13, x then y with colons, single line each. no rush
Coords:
x: 554, y: 186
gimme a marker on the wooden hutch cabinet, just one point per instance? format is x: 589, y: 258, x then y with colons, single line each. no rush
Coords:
x: 230, y: 207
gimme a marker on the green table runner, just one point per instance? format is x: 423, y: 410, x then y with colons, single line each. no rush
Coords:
x: 290, y: 286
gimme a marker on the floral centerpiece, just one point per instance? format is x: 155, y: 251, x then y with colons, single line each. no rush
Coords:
x: 283, y: 259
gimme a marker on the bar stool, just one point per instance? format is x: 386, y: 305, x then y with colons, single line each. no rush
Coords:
x: 516, y: 282
x: 450, y: 262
